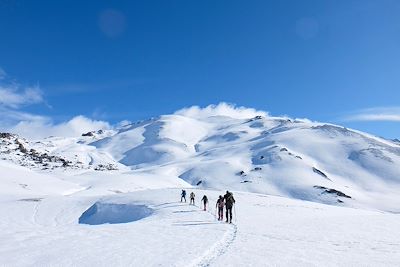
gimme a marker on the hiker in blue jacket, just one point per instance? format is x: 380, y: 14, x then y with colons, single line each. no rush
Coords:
x: 183, y: 195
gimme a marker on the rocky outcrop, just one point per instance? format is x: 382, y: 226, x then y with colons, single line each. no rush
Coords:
x: 319, y: 172
x: 88, y: 134
x: 16, y: 149
x: 331, y: 191
x: 106, y: 167
x: 6, y: 135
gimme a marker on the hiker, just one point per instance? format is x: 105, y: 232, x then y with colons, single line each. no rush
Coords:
x: 229, y: 202
x: 205, y: 201
x: 183, y: 195
x: 192, y: 198
x: 220, y: 205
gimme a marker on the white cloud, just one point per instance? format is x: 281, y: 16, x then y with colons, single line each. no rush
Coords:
x: 12, y: 119
x: 14, y: 97
x: 375, y: 114
x: 37, y: 127
x: 222, y: 109
x: 375, y: 117
x: 123, y: 123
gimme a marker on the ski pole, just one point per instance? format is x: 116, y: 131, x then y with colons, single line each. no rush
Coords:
x: 234, y: 208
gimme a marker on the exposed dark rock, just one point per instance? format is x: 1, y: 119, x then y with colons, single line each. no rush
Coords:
x: 65, y: 164
x: 283, y: 149
x: 245, y: 181
x: 299, y: 157
x: 338, y: 193
x: 88, y: 134
x: 332, y: 191
x: 6, y: 135
x: 241, y: 173
x: 106, y: 167
x: 320, y: 173
x: 22, y: 148
x: 199, y: 182
x: 257, y: 169
x: 258, y: 117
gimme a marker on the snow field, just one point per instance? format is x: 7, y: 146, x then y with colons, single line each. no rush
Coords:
x: 267, y: 231
x: 280, y: 170
x: 33, y: 233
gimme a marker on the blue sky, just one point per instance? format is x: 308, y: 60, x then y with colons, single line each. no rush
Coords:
x: 333, y: 61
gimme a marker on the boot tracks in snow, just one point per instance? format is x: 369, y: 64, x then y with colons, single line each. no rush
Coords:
x: 218, y: 249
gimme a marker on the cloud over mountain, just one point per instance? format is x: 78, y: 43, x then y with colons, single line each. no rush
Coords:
x: 222, y: 109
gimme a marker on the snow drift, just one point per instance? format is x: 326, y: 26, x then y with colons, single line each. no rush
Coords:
x: 112, y: 213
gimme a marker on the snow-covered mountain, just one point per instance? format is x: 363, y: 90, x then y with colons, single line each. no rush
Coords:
x: 112, y: 198
x: 238, y: 150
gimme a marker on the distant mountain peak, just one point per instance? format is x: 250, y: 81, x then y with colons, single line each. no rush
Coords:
x: 209, y: 147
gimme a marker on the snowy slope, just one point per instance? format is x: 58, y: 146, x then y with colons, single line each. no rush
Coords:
x: 18, y: 183
x: 295, y: 158
x: 152, y: 228
x: 221, y: 147
x: 111, y: 198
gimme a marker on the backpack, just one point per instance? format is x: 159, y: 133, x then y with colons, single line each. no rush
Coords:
x: 229, y: 200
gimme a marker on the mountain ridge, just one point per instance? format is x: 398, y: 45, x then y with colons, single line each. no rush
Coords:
x: 223, y: 149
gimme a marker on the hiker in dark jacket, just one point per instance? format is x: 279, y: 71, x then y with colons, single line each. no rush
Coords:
x: 192, y: 198
x: 183, y: 195
x: 220, y: 205
x: 205, y: 201
x: 229, y: 202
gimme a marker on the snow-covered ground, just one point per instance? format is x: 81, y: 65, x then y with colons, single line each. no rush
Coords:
x: 308, y: 194
x: 267, y: 231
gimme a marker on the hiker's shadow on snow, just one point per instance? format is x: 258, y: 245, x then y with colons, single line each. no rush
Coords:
x: 184, y: 211
x: 193, y: 223
x: 167, y: 203
x: 162, y: 206
x: 190, y: 221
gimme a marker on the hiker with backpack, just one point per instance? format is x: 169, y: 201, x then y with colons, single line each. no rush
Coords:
x: 183, y: 195
x: 229, y: 202
x: 205, y: 201
x: 220, y: 206
x: 192, y: 198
